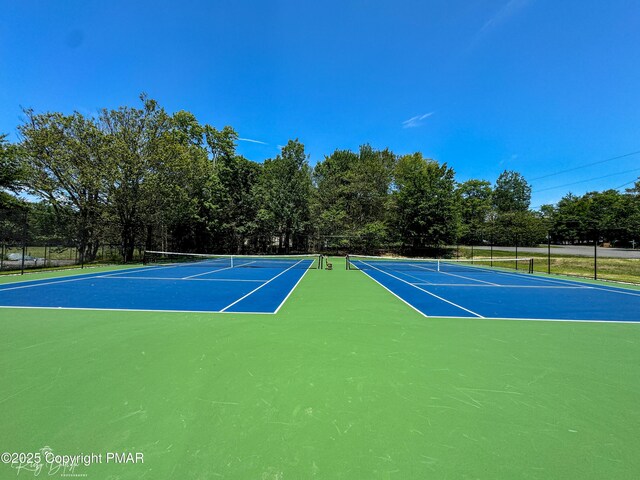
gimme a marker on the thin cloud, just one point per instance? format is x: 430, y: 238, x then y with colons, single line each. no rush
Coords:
x: 250, y: 140
x: 416, y: 121
x: 507, y: 11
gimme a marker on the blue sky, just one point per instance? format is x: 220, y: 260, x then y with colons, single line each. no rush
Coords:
x: 536, y: 86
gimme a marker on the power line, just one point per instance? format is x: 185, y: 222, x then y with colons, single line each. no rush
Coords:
x: 616, y: 188
x: 587, y: 165
x: 587, y: 180
x: 625, y: 184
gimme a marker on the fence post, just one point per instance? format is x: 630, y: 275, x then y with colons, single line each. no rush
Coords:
x: 25, y: 232
x: 516, y: 252
x: 595, y: 258
x: 549, y: 253
x: 491, y: 254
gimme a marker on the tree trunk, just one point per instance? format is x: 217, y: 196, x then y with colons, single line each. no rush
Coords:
x: 128, y: 242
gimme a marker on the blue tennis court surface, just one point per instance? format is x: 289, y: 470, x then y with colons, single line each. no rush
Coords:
x: 484, y: 293
x: 181, y: 287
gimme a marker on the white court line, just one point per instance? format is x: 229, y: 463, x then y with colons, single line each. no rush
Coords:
x: 546, y: 320
x: 400, y: 272
x: 256, y: 289
x: 395, y: 295
x: 618, y: 290
x: 552, y: 287
x: 206, y: 273
x: 77, y: 276
x: 47, y: 283
x: 562, y: 281
x: 445, y: 273
x: 444, y: 317
x: 426, y: 291
x: 530, y: 276
x: 470, y: 278
x: 86, y: 276
x: 291, y: 291
x: 97, y: 309
x: 143, y: 269
x: 185, y: 279
x: 425, y: 282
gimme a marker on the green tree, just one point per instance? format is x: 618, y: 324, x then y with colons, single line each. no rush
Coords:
x: 178, y: 189
x: 426, y: 209
x: 51, y: 226
x: 234, y: 192
x: 351, y: 196
x: 519, y: 228
x: 156, y: 171
x: 135, y: 151
x: 475, y: 210
x: 632, y: 222
x: 284, y: 191
x: 64, y: 164
x: 606, y: 215
x: 221, y: 143
x: 569, y: 220
x: 330, y: 198
x: 236, y: 195
x: 511, y: 193
x: 10, y: 173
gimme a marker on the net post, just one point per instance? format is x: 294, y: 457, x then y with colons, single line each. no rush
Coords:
x: 346, y: 265
x: 231, y: 259
x: 531, y: 265
x: 438, y: 265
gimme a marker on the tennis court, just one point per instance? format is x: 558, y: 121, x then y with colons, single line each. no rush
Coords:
x: 345, y: 381
x: 502, y: 288
x: 172, y: 282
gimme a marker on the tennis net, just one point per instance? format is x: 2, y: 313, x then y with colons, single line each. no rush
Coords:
x: 479, y: 265
x: 232, y: 261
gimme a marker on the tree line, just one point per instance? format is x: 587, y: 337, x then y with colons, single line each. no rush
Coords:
x: 141, y: 177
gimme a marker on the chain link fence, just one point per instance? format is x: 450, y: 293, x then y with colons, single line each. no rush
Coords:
x: 595, y: 261
x: 28, y: 241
